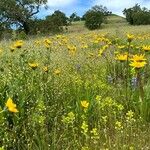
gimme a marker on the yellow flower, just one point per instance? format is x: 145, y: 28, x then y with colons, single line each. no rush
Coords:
x: 70, y: 118
x: 98, y: 97
x: 118, y: 125
x: 131, y: 148
x: 130, y: 116
x: 18, y: 44
x: 33, y: 65
x: 130, y: 37
x: 146, y: 48
x: 84, y: 46
x: 11, y: 106
x: 37, y: 42
x: 59, y: 36
x: 84, y: 127
x: 100, y: 52
x: 72, y: 49
x: 122, y: 57
x: 12, y: 48
x: 45, y: 69
x: 138, y: 58
x: 105, y: 119
x: 84, y: 104
x: 57, y: 71
x: 137, y: 64
x: 121, y: 46
x: 47, y: 41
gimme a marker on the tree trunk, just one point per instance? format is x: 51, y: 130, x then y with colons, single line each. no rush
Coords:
x: 26, y: 27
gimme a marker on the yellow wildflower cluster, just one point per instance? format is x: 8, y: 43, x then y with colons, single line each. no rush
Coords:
x: 72, y: 49
x: 130, y: 116
x: 118, y: 125
x: 70, y: 118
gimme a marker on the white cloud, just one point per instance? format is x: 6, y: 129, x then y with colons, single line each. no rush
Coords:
x: 60, y: 3
x: 117, y: 6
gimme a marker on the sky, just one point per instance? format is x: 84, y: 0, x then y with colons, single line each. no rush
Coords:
x: 81, y: 6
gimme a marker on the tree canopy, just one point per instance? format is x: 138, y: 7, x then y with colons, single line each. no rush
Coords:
x: 137, y: 15
x: 19, y: 11
x: 95, y: 17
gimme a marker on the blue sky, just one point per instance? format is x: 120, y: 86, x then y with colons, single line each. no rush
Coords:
x: 81, y: 6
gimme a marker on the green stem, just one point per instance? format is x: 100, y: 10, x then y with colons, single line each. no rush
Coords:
x: 127, y: 72
x: 140, y: 85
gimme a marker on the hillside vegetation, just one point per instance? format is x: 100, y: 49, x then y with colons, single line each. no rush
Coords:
x: 114, y: 25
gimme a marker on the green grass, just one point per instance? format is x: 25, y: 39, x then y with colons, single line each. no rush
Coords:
x: 114, y: 25
x: 81, y: 68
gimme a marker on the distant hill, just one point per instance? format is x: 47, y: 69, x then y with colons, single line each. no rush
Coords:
x: 115, y: 15
x: 116, y: 19
x: 113, y: 21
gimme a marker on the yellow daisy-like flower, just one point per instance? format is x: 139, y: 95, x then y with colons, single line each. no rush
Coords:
x: 122, y: 57
x: 84, y: 104
x: 146, y: 48
x: 72, y: 49
x: 11, y: 106
x: 57, y: 71
x: 137, y: 64
x: 33, y: 65
x: 47, y: 41
x: 18, y: 44
x: 138, y: 58
x: 45, y: 69
x: 130, y: 37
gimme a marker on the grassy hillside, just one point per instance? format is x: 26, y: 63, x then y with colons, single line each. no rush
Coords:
x: 114, y: 25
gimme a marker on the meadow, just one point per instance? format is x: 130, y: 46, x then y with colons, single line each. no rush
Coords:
x: 81, y: 90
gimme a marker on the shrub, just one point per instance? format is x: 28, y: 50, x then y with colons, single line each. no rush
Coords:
x: 95, y: 17
x: 137, y: 15
x: 93, y: 20
x: 56, y: 21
